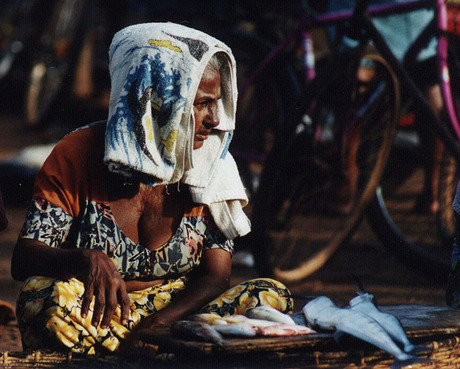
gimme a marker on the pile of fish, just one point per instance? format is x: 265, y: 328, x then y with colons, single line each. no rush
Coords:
x: 258, y: 321
x: 363, y: 320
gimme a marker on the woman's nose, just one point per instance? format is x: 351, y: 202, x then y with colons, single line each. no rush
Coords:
x: 212, y: 118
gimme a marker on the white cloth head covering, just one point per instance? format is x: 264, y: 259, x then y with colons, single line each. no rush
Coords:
x: 155, y: 70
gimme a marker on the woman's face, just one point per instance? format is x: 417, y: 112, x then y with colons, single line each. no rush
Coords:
x: 205, y: 106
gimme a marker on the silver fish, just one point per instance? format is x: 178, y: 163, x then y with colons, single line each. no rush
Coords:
x: 211, y: 319
x: 323, y: 313
x: 235, y: 319
x: 269, y: 313
x: 364, y: 303
x: 237, y: 330
x: 281, y: 329
x: 198, y: 331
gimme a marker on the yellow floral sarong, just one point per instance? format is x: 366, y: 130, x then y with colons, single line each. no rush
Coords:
x: 48, y: 311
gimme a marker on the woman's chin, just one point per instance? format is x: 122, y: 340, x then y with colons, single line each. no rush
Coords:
x: 198, y: 144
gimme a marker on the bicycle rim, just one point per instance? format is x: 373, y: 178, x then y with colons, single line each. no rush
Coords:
x: 262, y: 106
x: 297, y: 225
x: 422, y: 240
x: 402, y: 220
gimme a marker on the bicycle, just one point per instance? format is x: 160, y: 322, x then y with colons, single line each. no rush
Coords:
x: 54, y: 58
x: 292, y: 222
x: 15, y: 33
x: 423, y: 239
x: 416, y: 236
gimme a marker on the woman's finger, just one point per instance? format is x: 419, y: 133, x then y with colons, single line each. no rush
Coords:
x: 87, y: 298
x: 99, y: 305
x: 110, y: 306
x: 125, y: 305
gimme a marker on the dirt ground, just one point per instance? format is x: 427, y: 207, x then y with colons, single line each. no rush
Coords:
x: 389, y: 280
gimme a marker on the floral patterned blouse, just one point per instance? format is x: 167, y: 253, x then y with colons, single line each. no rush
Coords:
x: 71, y: 209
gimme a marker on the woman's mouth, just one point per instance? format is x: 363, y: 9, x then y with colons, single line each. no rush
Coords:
x: 201, y: 136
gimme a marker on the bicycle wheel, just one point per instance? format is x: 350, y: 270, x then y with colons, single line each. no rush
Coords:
x: 10, y: 44
x: 262, y: 107
x: 57, y: 53
x: 295, y: 226
x: 420, y: 239
x: 20, y: 23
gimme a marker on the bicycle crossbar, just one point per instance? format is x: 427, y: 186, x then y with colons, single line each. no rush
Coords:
x: 308, y: 21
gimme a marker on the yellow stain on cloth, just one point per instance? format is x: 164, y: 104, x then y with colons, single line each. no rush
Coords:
x: 169, y: 142
x: 165, y: 43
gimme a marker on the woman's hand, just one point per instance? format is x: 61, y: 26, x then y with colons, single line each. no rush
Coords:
x: 214, y: 280
x: 94, y: 268
x: 133, y: 347
x: 104, y: 282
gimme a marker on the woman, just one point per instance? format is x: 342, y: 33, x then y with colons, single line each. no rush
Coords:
x: 132, y: 220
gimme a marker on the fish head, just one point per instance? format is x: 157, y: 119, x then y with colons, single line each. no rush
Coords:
x: 317, y: 305
x: 322, y: 313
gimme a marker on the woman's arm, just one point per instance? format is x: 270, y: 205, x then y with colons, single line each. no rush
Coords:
x: 32, y: 257
x: 94, y: 268
x: 214, y: 280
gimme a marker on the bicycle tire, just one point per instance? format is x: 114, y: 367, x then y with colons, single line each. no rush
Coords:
x: 418, y: 238
x: 10, y: 44
x: 262, y: 107
x: 57, y: 54
x: 254, y: 134
x: 19, y: 27
x: 421, y: 240
x: 296, y: 230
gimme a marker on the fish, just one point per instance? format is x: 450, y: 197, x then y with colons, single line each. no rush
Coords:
x: 197, y: 331
x: 239, y: 325
x: 364, y: 303
x: 237, y: 330
x: 260, y: 323
x: 321, y: 312
x: 214, y: 319
x: 281, y: 329
x: 209, y: 318
x: 235, y: 318
x: 269, y: 313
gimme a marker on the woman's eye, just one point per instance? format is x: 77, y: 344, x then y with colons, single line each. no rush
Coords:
x: 201, y: 105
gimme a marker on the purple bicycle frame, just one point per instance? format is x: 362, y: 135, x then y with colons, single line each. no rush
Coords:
x: 307, y: 22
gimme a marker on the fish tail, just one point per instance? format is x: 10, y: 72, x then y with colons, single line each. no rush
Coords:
x: 360, y: 284
x: 417, y: 349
